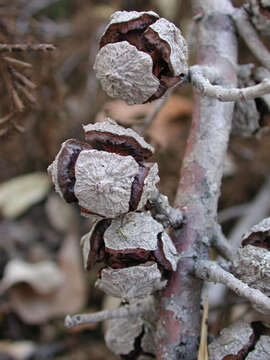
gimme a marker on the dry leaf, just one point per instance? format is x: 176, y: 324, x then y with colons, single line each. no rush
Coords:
x: 19, y: 194
x: 43, y: 277
x: 35, y: 307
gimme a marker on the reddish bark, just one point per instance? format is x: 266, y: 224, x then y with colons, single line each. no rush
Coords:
x: 179, y: 317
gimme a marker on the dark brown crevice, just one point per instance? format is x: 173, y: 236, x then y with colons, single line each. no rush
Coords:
x: 120, y: 259
x: 137, y: 187
x: 138, y: 351
x: 66, y: 167
x: 97, y: 252
x: 115, y: 31
x: 118, y: 144
x: 259, y: 239
x: 264, y: 112
x: 160, y: 256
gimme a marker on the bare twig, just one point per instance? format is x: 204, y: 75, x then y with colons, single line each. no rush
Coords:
x: 179, y: 320
x: 6, y: 118
x: 23, y: 79
x: 251, y: 37
x: 17, y: 101
x: 211, y: 271
x: 31, y: 98
x: 158, y: 106
x: 232, y: 212
x: 16, y: 62
x: 26, y: 47
x: 167, y: 214
x: 222, y: 245
x: 134, y: 309
x: 200, y: 81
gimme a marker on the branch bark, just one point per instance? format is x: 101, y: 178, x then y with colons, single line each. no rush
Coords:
x: 179, y: 316
x: 251, y: 37
x: 136, y: 308
x: 211, y: 271
x: 200, y: 81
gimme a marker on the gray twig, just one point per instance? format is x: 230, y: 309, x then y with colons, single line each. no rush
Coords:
x: 232, y: 212
x: 222, y: 245
x: 256, y: 211
x: 159, y: 105
x: 251, y: 37
x: 137, y: 308
x: 199, y: 79
x: 168, y: 215
x: 211, y: 271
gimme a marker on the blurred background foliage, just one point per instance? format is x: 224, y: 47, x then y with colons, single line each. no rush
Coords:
x: 39, y: 234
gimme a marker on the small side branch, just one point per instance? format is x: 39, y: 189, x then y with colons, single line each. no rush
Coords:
x: 168, y: 215
x: 199, y: 80
x: 251, y: 37
x: 26, y: 47
x: 211, y: 271
x: 135, y: 309
x: 158, y: 106
x: 221, y: 244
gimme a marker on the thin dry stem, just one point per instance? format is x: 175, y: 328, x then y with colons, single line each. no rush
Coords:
x: 221, y: 244
x: 168, y: 215
x: 18, y: 63
x: 134, y: 309
x: 26, y: 47
x: 23, y: 79
x: 251, y: 37
x: 158, y: 106
x: 211, y: 271
x: 31, y: 98
x: 256, y: 211
x: 200, y: 81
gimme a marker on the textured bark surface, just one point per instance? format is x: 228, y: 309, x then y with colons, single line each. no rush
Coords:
x: 198, y: 191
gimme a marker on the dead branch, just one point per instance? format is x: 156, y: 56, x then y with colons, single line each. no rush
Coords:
x: 251, y: 37
x: 26, y: 47
x: 255, y: 212
x: 167, y: 214
x: 179, y: 318
x: 211, y: 271
x: 134, y: 309
x: 221, y: 244
x: 200, y: 81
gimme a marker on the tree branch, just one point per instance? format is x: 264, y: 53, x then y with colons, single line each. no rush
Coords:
x: 251, y: 37
x: 221, y: 244
x: 178, y: 329
x: 211, y: 271
x: 200, y: 81
x: 137, y: 308
x: 158, y: 106
x: 168, y: 215
x: 256, y: 211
